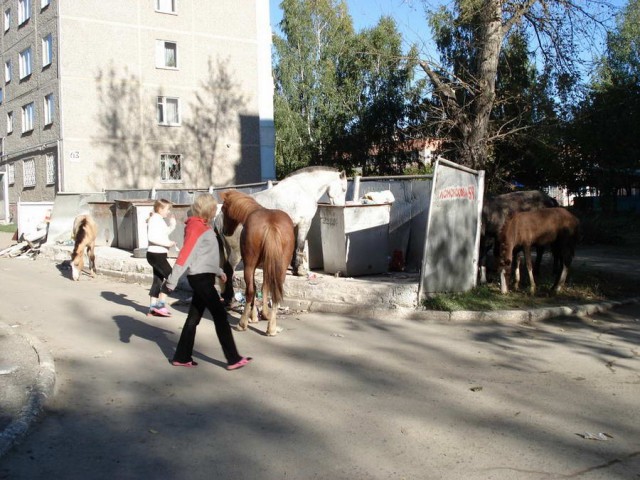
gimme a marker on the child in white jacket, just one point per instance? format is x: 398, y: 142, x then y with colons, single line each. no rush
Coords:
x: 159, y: 244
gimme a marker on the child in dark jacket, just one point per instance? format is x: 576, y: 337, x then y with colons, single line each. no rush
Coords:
x: 199, y: 259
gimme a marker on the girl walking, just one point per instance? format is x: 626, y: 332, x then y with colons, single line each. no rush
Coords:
x: 199, y: 259
x: 159, y: 244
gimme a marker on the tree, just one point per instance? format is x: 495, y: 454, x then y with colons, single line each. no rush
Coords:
x: 316, y: 36
x: 470, y: 36
x: 603, y: 148
x: 341, y: 97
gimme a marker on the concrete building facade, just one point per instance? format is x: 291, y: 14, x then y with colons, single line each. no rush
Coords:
x: 133, y: 94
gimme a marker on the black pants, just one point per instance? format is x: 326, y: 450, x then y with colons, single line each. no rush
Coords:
x: 206, y: 296
x: 161, y: 271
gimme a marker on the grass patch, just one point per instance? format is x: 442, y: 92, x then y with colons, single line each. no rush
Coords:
x: 584, y: 286
x: 9, y: 227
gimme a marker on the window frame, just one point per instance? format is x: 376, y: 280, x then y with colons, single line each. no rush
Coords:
x: 24, y: 11
x: 161, y: 104
x: 29, y: 175
x: 8, y: 71
x: 10, y: 122
x: 172, y: 11
x: 47, y: 50
x: 164, y: 156
x: 50, y: 161
x: 161, y: 51
x: 48, y: 109
x: 24, y: 68
x: 28, y: 117
x: 11, y: 173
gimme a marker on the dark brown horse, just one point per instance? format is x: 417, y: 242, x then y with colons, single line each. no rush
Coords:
x: 495, y: 211
x: 85, y: 232
x: 553, y: 227
x: 268, y: 241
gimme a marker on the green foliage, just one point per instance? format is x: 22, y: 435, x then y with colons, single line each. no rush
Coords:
x: 8, y: 227
x: 602, y: 144
x: 342, y: 98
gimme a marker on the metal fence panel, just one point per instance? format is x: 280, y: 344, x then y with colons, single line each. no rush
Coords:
x: 453, y: 230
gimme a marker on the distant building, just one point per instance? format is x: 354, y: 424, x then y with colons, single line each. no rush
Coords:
x: 114, y: 94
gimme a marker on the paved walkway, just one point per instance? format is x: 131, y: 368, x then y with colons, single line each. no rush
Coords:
x: 27, y: 372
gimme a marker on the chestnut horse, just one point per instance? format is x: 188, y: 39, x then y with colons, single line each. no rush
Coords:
x: 85, y: 232
x: 495, y: 212
x: 554, y: 227
x: 268, y: 241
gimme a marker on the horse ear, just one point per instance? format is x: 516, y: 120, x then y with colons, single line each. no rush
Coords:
x: 343, y: 174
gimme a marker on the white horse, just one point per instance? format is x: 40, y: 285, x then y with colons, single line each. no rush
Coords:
x: 297, y: 194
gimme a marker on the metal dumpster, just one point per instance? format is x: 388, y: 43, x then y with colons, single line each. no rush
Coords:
x: 131, y: 216
x: 355, y: 238
x: 104, y: 213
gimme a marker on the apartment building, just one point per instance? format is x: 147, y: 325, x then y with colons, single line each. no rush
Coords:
x: 98, y: 94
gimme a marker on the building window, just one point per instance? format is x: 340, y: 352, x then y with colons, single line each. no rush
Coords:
x: 166, y: 54
x: 166, y: 6
x: 47, y: 50
x: 27, y: 117
x: 9, y: 122
x: 25, y: 63
x: 51, y: 170
x: 170, y: 167
x: 48, y: 109
x: 29, y: 173
x: 7, y: 19
x: 7, y: 71
x: 11, y: 173
x: 44, y: 3
x: 1, y: 96
x: 24, y: 11
x: 2, y: 147
x: 168, y: 111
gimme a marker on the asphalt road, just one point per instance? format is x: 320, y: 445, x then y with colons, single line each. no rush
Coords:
x: 331, y: 397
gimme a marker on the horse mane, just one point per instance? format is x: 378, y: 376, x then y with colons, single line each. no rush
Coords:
x: 84, y: 233
x: 239, y: 205
x: 311, y: 170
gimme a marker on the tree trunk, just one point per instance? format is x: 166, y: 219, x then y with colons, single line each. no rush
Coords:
x: 490, y: 36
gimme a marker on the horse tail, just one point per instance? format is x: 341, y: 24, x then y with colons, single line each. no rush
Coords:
x: 273, y: 266
x: 84, y: 233
x: 79, y: 235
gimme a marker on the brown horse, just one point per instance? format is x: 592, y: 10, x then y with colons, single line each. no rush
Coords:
x: 554, y: 227
x: 268, y: 241
x: 85, y: 232
x: 495, y: 212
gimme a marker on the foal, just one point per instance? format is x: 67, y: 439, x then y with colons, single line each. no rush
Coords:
x: 85, y: 232
x: 555, y: 227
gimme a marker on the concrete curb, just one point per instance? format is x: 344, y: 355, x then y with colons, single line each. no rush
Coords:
x: 43, y: 388
x: 512, y: 316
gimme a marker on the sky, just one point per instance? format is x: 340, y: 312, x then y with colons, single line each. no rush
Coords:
x: 408, y: 14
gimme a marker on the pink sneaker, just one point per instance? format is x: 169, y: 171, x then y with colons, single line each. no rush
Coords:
x: 162, y: 311
x: 239, y: 364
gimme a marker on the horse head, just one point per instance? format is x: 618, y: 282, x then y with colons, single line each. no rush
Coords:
x: 229, y: 224
x: 337, y: 190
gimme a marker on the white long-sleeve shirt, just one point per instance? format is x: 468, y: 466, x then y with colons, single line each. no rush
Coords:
x: 158, y: 234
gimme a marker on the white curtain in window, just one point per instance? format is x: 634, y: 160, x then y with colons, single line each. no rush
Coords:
x: 172, y: 110
x: 170, y: 54
x: 165, y: 5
